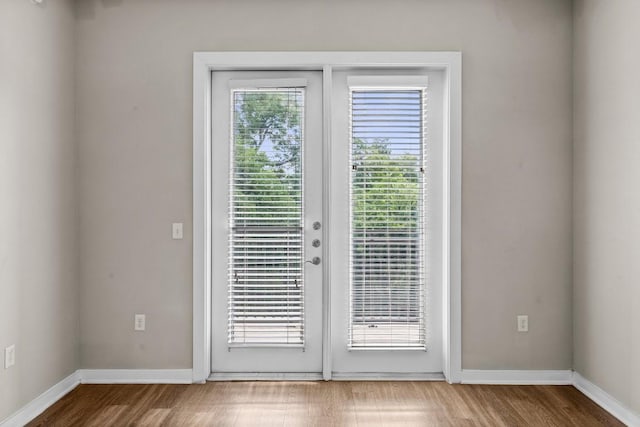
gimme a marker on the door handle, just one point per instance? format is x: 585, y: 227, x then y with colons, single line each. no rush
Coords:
x: 315, y: 260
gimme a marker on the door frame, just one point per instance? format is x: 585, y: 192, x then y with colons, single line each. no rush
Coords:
x: 204, y: 63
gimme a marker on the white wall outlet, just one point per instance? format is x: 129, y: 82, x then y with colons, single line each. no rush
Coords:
x: 523, y: 323
x: 176, y: 230
x: 140, y: 322
x: 9, y: 356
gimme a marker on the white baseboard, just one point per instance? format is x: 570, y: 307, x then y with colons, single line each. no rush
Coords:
x: 517, y: 377
x: 265, y: 376
x: 606, y: 401
x: 135, y: 376
x: 42, y: 402
x: 386, y: 376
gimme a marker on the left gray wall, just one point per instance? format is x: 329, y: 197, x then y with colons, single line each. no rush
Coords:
x: 38, y: 215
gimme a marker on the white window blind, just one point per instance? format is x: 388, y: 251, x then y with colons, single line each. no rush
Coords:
x: 387, y: 266
x: 266, y: 288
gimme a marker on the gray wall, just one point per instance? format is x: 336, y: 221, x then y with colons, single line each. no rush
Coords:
x: 134, y: 134
x: 38, y: 209
x: 607, y: 196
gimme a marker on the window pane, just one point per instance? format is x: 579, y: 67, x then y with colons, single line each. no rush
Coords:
x: 266, y: 289
x: 387, y: 233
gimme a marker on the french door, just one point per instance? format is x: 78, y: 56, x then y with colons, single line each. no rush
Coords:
x: 386, y: 263
x: 269, y: 295
x: 267, y: 207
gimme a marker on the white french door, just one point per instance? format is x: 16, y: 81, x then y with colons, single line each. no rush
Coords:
x: 267, y: 199
x: 386, y: 203
x: 384, y: 222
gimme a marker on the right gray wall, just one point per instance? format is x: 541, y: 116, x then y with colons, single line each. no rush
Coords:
x: 607, y: 196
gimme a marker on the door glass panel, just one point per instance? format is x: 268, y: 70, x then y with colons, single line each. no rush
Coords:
x: 387, y: 290
x: 266, y: 286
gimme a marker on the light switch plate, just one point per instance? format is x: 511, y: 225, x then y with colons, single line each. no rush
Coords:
x: 176, y: 230
x: 9, y: 356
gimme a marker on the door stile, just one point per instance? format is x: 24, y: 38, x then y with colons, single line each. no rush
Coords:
x: 327, y: 99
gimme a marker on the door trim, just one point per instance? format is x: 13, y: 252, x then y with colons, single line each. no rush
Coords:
x: 265, y: 376
x: 206, y: 62
x: 327, y: 86
x: 386, y: 376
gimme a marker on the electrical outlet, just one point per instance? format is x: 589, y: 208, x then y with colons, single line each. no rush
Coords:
x: 9, y: 356
x: 523, y: 323
x: 140, y: 322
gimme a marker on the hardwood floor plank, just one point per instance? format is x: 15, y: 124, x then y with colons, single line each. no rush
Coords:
x: 309, y: 403
x: 153, y: 417
x: 107, y: 416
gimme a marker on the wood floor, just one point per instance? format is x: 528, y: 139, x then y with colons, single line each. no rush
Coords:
x: 324, y: 403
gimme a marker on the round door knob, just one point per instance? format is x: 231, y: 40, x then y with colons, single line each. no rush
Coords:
x: 316, y: 225
x: 315, y: 260
x: 315, y: 243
